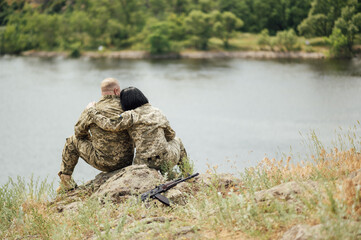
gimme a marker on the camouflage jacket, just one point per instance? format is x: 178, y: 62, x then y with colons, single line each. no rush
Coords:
x: 147, y: 126
x: 112, y: 146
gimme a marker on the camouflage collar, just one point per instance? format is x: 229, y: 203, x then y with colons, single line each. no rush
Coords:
x: 109, y: 97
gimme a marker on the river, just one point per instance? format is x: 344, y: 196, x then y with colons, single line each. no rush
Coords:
x: 231, y: 113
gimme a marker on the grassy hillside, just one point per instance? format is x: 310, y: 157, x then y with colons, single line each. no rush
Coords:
x: 31, y: 211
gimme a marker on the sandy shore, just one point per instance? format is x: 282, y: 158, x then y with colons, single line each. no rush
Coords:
x: 184, y: 55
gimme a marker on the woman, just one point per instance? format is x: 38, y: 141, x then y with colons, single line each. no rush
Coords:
x: 154, y: 139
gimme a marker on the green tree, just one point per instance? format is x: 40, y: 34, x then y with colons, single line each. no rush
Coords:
x: 270, y: 14
x: 237, y: 7
x: 54, y: 6
x: 199, y: 26
x: 295, y: 12
x: 132, y: 13
x: 180, y: 6
x: 350, y: 24
x: 157, y: 7
x: 343, y: 34
x: 339, y: 45
x: 5, y: 10
x: 13, y: 41
x: 74, y: 30
x: 225, y: 25
x: 177, y: 29
x: 116, y: 34
x: 207, y: 5
x: 315, y: 25
x: 322, y: 17
x: 264, y: 39
x: 286, y: 40
x: 158, y: 38
x: 42, y: 30
x: 275, y: 15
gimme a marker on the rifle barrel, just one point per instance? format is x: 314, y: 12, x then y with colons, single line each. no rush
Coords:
x: 177, y: 181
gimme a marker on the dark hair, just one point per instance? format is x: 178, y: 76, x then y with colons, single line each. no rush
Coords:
x: 131, y: 98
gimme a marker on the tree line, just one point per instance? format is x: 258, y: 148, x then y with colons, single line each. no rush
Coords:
x: 170, y: 25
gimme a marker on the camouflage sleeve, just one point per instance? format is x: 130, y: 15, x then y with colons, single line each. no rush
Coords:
x: 81, y: 128
x: 120, y: 123
x: 169, y: 132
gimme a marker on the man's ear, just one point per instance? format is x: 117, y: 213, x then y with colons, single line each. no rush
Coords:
x: 116, y: 91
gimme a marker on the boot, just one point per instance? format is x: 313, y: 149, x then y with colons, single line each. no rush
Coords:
x: 66, y: 183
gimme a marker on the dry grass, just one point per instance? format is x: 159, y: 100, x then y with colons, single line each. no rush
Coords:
x: 212, y: 212
x: 327, y: 165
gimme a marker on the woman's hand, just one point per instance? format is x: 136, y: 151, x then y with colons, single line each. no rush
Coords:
x: 91, y: 104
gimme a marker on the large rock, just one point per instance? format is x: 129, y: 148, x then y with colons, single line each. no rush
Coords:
x: 222, y: 180
x: 286, y: 191
x: 131, y: 180
x: 303, y: 232
x: 176, y: 196
x: 100, y: 179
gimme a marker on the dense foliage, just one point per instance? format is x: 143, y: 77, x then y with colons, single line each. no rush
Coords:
x: 163, y: 26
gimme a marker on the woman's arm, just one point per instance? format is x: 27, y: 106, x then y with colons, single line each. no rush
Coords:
x: 123, y: 122
x: 81, y: 128
x: 169, y: 133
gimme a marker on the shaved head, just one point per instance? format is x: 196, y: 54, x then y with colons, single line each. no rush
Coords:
x: 109, y: 86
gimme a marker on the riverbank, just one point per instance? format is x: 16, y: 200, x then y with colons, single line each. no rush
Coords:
x: 183, y: 55
x: 316, y: 199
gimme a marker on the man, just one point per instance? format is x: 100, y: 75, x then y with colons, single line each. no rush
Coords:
x: 106, y: 151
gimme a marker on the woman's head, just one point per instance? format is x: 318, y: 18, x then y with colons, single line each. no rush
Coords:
x: 131, y: 98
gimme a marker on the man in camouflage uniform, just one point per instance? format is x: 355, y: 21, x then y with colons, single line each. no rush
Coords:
x: 155, y: 141
x: 106, y: 151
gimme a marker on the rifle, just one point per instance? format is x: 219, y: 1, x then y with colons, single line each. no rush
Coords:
x: 156, y: 192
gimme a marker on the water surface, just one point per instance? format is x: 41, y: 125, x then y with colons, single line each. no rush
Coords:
x: 229, y: 113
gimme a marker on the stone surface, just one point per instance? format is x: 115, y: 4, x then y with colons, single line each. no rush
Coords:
x: 224, y: 180
x: 132, y: 180
x: 119, y: 185
x: 251, y: 54
x: 153, y: 219
x: 136, y: 179
x: 128, y: 54
x: 99, y: 180
x: 186, y: 232
x: 303, y: 232
x: 176, y: 196
x: 73, y: 206
x: 286, y: 191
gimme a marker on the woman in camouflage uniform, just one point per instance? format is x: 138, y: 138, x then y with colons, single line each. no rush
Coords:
x: 154, y: 139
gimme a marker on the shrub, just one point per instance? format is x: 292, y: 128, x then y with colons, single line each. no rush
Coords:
x: 339, y: 44
x: 264, y: 39
x: 158, y: 38
x: 159, y: 43
x: 75, y: 50
x: 287, y: 40
x: 13, y: 42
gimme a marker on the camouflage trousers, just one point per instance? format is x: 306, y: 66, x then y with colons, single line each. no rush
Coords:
x: 166, y: 160
x: 75, y: 148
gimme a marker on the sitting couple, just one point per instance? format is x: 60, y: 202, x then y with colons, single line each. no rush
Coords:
x: 109, y: 130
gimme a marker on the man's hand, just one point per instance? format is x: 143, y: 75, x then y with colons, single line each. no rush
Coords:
x: 91, y: 104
